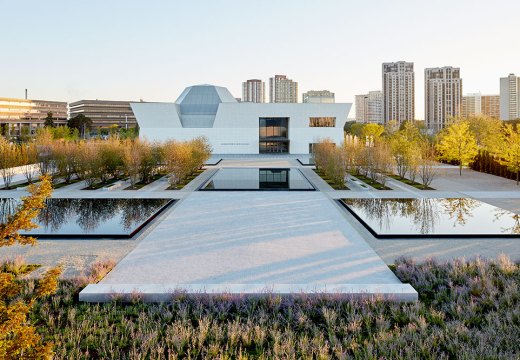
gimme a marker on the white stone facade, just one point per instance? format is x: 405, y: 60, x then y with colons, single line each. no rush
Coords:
x: 232, y: 127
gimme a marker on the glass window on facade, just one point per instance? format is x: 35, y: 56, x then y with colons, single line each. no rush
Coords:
x: 322, y: 121
x: 274, y: 135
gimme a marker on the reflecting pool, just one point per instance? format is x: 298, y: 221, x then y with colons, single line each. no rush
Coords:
x: 447, y: 217
x: 90, y: 218
x: 258, y: 179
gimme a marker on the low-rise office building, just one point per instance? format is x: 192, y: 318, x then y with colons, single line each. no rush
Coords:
x: 104, y: 113
x: 18, y: 113
x: 241, y: 128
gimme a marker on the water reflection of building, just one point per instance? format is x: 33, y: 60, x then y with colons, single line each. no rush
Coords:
x: 16, y: 114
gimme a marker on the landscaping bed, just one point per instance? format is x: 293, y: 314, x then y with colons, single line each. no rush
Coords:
x: 411, y: 183
x: 142, y: 184
x: 100, y: 185
x: 334, y: 185
x: 63, y: 184
x: 24, y: 184
x: 186, y: 180
x: 465, y: 310
x: 376, y: 185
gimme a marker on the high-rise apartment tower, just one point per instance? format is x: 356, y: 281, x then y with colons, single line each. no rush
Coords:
x: 282, y: 90
x: 253, y: 90
x: 442, y: 96
x: 398, y: 91
x: 510, y: 97
x: 369, y: 107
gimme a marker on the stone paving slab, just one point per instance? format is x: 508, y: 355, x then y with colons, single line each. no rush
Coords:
x: 296, y: 240
x: 166, y: 292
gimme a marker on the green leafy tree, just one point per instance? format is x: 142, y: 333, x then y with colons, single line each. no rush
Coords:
x: 80, y: 122
x: 457, y: 143
x: 49, y: 120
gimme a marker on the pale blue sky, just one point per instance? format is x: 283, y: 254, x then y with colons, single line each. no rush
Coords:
x: 128, y: 50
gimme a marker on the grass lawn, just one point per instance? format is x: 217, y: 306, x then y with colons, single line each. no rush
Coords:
x: 411, y: 183
x: 466, y: 310
x: 369, y: 181
x: 141, y: 184
x: 332, y: 184
x: 186, y: 181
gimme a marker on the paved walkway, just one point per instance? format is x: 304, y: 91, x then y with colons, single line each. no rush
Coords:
x: 247, y: 242
x: 78, y: 254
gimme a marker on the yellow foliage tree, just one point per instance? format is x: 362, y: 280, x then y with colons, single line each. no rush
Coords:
x: 18, y: 338
x: 457, y: 143
x: 508, y: 153
x: 485, y: 129
x: 372, y: 132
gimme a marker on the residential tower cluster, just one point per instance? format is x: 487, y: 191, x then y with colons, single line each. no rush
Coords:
x: 443, y: 97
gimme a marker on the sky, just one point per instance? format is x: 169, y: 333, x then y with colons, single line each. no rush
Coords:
x: 151, y: 50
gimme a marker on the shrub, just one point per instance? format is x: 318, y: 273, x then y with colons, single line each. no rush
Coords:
x: 467, y: 309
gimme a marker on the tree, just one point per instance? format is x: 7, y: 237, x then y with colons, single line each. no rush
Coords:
x: 25, y: 134
x: 382, y: 162
x: 18, y: 338
x: 405, y: 149
x: 29, y: 157
x: 348, y: 126
x: 177, y: 156
x: 372, y: 132
x: 134, y: 154
x: 391, y: 127
x: 509, y: 149
x: 457, y: 143
x: 10, y: 157
x: 427, y: 170
x: 80, y: 122
x: 485, y: 129
x: 355, y: 129
x: 49, y: 120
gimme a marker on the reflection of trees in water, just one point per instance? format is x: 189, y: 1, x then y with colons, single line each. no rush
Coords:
x: 378, y: 211
x: 55, y: 213
x: 90, y: 213
x: 422, y: 212
x: 515, y: 228
x: 459, y: 209
x: 138, y: 211
x: 7, y: 208
x: 425, y: 215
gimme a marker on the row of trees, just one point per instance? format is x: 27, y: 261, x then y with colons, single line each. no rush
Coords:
x: 98, y: 161
x: 413, y: 151
x: 461, y: 142
x: 376, y: 152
